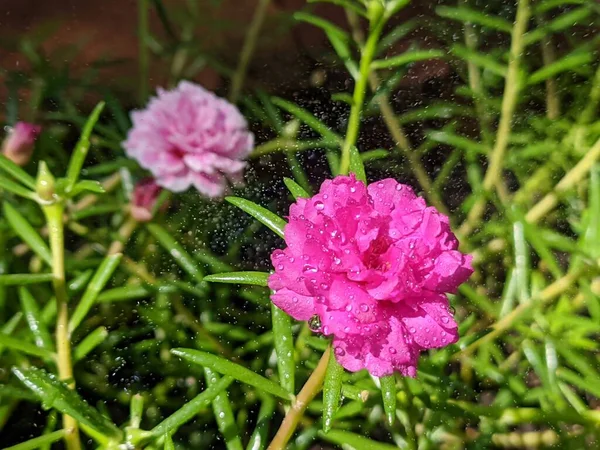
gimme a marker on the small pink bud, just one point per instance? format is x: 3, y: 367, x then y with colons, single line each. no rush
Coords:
x: 18, y: 143
x: 144, y: 198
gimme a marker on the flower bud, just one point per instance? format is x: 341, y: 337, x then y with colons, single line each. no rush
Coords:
x: 45, y: 183
x: 18, y: 143
x: 143, y: 200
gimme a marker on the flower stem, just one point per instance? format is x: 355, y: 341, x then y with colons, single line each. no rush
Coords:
x: 360, y: 88
x: 395, y: 129
x: 249, y: 44
x: 54, y: 217
x: 509, y: 102
x: 310, y: 389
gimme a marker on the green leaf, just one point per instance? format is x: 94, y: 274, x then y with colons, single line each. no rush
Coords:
x: 34, y: 320
x: 354, y: 441
x: 40, y: 441
x: 224, y: 414
x: 482, y: 60
x: 16, y: 172
x: 26, y: 232
x: 259, y: 437
x: 56, y: 394
x: 168, y: 442
x: 388, y: 392
x: 25, y: 278
x: 396, y: 34
x: 570, y: 61
x: 87, y: 185
x: 254, y: 278
x: 284, y: 348
x: 20, y: 345
x: 81, y: 148
x: 356, y: 165
x: 168, y: 242
x: 97, y: 283
x: 332, y: 391
x: 521, y: 265
x: 468, y: 15
x: 263, y: 215
x: 236, y: 371
x: 406, y: 58
x: 295, y: 189
x: 89, y: 343
x: 310, y: 120
x: 190, y: 409
x: 15, y: 188
x: 374, y: 155
x: 123, y: 294
x: 562, y: 22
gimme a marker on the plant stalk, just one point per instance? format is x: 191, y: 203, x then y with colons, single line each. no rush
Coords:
x: 509, y: 102
x: 54, y: 217
x: 309, y: 391
x: 358, y: 98
x: 395, y: 129
x: 248, y: 49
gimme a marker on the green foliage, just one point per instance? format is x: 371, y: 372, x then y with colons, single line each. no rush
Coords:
x: 160, y: 330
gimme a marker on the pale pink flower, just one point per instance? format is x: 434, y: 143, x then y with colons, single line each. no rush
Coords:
x: 370, y: 265
x: 145, y: 195
x: 19, y: 142
x: 190, y: 137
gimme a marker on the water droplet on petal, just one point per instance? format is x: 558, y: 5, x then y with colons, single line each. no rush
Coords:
x: 399, y: 187
x: 445, y: 319
x: 319, y: 206
x: 412, y: 330
x: 364, y: 307
x: 393, y: 350
x: 339, y: 351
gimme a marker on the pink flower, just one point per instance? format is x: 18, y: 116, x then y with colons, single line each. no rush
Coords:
x: 370, y: 265
x: 144, y: 198
x: 18, y: 144
x: 190, y: 137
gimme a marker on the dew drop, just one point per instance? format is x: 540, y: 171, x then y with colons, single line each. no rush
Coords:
x: 295, y: 299
x: 280, y: 267
x: 398, y: 187
x: 445, y: 319
x: 319, y: 206
x: 393, y: 350
x: 412, y: 330
x: 364, y: 307
x: 315, y: 323
x: 339, y: 351
x: 352, y: 189
x: 379, y: 185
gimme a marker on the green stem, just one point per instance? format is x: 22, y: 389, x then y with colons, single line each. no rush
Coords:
x: 309, y: 391
x: 396, y: 130
x: 54, y: 217
x: 358, y: 98
x: 143, y: 30
x: 247, y: 50
x: 588, y: 113
x: 509, y: 102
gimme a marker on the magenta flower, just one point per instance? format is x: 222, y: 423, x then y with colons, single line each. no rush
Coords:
x: 19, y: 142
x: 145, y: 195
x: 190, y: 137
x: 370, y: 265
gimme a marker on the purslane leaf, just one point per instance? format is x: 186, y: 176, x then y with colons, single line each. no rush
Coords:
x: 263, y: 215
x: 236, y: 371
x: 254, y: 278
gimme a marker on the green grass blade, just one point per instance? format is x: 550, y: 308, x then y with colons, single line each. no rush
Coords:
x: 406, y: 58
x: 236, y: 371
x: 332, y: 391
x: 16, y: 172
x: 253, y: 278
x: 284, y: 348
x: 97, y: 283
x: 170, y: 244
x: 40, y: 441
x: 20, y: 345
x: 224, y: 414
x: 295, y: 189
x: 191, y: 408
x: 26, y: 232
x: 81, y: 148
x: 263, y: 215
x: 56, y: 394
x: 34, y: 320
x: 89, y: 343
x: 24, y: 278
x: 388, y: 392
